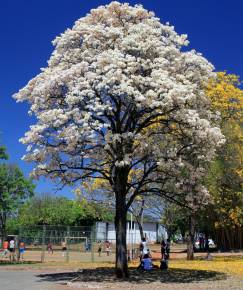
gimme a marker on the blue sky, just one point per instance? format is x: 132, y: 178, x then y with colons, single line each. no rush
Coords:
x: 214, y: 28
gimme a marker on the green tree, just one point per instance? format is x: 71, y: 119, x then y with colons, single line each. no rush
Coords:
x: 51, y: 210
x: 225, y: 175
x: 3, y: 154
x: 222, y: 218
x: 14, y: 190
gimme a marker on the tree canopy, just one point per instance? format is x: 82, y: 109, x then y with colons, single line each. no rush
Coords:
x: 51, y: 210
x: 116, y: 73
x: 226, y: 175
x: 222, y: 218
x: 3, y: 154
x: 14, y: 190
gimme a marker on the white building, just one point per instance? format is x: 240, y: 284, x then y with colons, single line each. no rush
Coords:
x: 153, y: 232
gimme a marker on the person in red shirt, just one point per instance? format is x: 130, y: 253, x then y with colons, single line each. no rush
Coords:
x: 5, y: 245
x: 5, y: 248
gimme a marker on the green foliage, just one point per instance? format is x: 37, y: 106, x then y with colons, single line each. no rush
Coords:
x: 3, y: 154
x: 48, y: 210
x: 14, y: 190
x: 12, y: 225
x: 14, y: 187
x: 175, y: 219
x: 224, y: 217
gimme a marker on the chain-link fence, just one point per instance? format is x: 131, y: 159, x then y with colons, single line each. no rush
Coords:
x: 67, y: 244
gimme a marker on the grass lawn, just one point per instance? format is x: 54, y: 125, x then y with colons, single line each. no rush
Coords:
x: 231, y: 265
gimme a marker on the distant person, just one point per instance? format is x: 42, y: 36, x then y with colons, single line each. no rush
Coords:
x: 206, y: 244
x: 5, y: 248
x: 49, y: 248
x: 143, y: 248
x: 12, y: 250
x: 64, y: 248
x: 87, y: 246
x: 146, y: 263
x: 107, y: 248
x: 163, y: 248
x: 99, y: 248
x: 201, y: 242
x: 21, y: 250
x: 167, y: 248
x: 207, y: 249
x: 164, y: 262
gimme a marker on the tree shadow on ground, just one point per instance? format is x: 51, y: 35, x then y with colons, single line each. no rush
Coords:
x: 136, y: 276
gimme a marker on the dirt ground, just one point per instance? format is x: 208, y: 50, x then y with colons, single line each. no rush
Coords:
x: 178, y: 251
x: 103, y: 278
x: 59, y: 256
x: 225, y: 271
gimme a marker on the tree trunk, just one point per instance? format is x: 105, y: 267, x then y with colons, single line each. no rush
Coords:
x: 121, y: 243
x: 120, y: 175
x: 190, y: 241
x: 140, y: 230
x: 139, y: 220
x: 3, y: 226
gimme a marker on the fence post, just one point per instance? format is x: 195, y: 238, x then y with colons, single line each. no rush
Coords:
x: 92, y: 242
x: 67, y: 245
x: 43, y: 244
x: 19, y: 238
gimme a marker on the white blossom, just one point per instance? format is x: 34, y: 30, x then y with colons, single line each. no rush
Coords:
x: 108, y: 79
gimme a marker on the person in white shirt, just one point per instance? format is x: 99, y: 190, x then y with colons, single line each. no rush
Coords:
x: 143, y: 248
x: 12, y: 249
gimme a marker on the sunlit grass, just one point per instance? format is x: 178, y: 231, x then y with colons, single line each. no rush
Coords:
x: 227, y: 265
x: 231, y: 265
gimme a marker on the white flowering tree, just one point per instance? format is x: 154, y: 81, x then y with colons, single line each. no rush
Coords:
x: 119, y: 95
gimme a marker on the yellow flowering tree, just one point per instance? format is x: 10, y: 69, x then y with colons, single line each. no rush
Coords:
x: 226, y: 173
